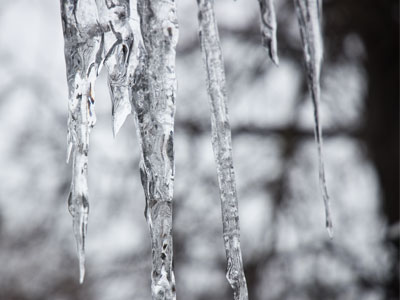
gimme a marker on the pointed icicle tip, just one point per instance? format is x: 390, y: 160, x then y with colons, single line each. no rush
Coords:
x: 81, y: 268
x: 121, y: 110
x: 275, y: 58
x: 118, y: 122
x: 81, y: 253
x: 329, y: 228
x: 268, y: 26
x: 80, y: 218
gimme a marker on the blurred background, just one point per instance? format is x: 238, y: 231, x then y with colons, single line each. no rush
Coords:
x: 286, y: 249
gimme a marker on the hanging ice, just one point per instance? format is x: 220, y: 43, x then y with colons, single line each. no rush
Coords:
x: 222, y: 146
x: 83, y: 48
x: 309, y: 17
x: 121, y: 55
x: 268, y: 29
x: 154, y: 94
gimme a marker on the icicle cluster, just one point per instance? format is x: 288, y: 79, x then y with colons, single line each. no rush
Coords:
x: 309, y: 13
x: 136, y: 41
x: 141, y: 75
x: 222, y: 146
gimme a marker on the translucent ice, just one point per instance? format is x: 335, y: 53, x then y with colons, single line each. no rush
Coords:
x: 121, y: 55
x: 83, y: 48
x: 222, y: 146
x: 268, y: 29
x: 309, y: 17
x: 154, y: 94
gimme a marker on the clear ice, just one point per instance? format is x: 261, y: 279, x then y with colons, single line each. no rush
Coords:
x: 153, y: 100
x: 309, y: 13
x: 82, y: 48
x: 120, y: 55
x: 96, y: 32
x: 222, y: 146
x: 268, y: 29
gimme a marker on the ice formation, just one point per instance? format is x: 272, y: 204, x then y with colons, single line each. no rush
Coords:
x: 309, y: 16
x: 268, y: 29
x: 136, y: 41
x: 154, y: 95
x: 222, y: 146
x: 95, y: 33
x: 83, y: 51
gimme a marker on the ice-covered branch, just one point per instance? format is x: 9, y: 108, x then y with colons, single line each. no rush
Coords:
x: 222, y: 146
x: 154, y: 94
x: 268, y: 29
x: 83, y: 55
x: 309, y: 17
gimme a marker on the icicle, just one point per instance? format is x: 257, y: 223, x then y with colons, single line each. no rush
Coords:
x: 309, y: 17
x: 121, y: 50
x: 222, y: 146
x: 154, y: 94
x: 268, y: 29
x: 83, y: 48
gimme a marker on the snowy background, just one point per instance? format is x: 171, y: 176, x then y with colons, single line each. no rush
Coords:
x: 286, y: 249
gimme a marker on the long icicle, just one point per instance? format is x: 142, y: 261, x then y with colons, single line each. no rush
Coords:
x: 222, y: 146
x: 309, y: 17
x: 268, y: 29
x: 83, y: 48
x: 154, y: 94
x: 120, y: 51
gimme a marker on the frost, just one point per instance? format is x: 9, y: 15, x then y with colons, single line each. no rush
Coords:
x: 222, y: 146
x: 268, y: 29
x: 309, y: 17
x: 154, y: 94
x: 83, y: 48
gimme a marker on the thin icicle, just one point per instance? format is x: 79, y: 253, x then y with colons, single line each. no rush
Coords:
x: 222, y: 146
x: 309, y: 17
x: 154, y: 94
x: 121, y: 50
x: 83, y: 48
x: 268, y: 29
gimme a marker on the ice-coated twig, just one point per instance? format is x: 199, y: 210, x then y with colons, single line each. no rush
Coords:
x: 83, y: 55
x: 121, y: 55
x: 309, y: 17
x: 268, y: 29
x: 222, y: 146
x: 154, y: 94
